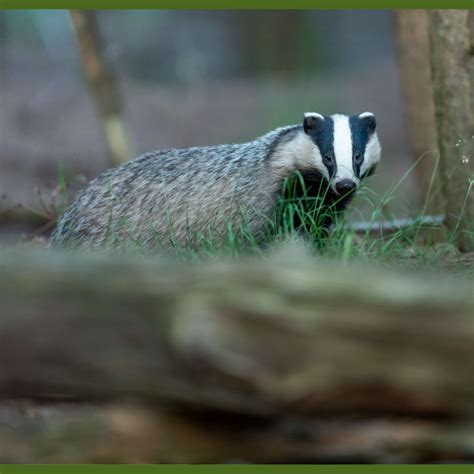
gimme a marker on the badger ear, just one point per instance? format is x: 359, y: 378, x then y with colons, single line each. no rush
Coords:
x: 311, y: 121
x: 368, y: 119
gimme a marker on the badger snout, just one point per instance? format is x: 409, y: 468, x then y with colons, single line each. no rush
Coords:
x: 345, y: 186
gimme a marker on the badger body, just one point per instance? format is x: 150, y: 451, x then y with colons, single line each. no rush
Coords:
x: 174, y: 198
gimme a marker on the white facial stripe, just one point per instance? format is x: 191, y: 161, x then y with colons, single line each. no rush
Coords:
x: 343, y: 148
x: 372, y: 154
x: 299, y: 153
x: 366, y: 114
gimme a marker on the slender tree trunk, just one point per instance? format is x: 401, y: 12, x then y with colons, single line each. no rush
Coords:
x: 414, y: 57
x: 102, y: 84
x: 452, y: 59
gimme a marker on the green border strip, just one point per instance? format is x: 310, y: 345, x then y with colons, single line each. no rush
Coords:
x: 235, y: 4
x: 240, y: 469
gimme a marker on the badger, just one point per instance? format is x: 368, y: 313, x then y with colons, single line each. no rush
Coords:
x: 177, y: 198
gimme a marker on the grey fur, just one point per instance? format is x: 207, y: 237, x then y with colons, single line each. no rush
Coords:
x: 171, y: 197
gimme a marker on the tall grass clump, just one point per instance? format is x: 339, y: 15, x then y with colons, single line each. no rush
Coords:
x: 415, y: 240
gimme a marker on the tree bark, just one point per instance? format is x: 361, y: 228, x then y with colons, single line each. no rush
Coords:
x: 414, y: 56
x: 102, y: 84
x: 452, y: 60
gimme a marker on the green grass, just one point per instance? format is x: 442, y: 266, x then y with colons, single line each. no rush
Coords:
x: 414, y: 246
x: 417, y: 245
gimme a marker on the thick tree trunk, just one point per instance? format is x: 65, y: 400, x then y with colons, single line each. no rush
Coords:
x: 414, y: 57
x: 102, y: 84
x: 452, y: 55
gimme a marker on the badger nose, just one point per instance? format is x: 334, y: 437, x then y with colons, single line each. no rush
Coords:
x: 345, y: 186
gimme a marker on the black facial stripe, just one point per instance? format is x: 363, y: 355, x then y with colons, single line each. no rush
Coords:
x: 360, y: 133
x: 323, y: 137
x: 370, y: 171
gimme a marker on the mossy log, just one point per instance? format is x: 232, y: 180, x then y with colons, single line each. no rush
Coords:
x: 276, y: 360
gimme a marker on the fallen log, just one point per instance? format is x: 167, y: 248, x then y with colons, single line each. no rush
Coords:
x: 261, y: 341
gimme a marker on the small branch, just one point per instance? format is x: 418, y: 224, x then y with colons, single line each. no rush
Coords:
x: 396, y: 224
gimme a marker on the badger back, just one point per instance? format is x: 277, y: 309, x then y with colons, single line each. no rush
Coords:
x: 173, y: 197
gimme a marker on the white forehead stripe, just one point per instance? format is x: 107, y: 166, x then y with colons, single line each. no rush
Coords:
x: 314, y: 114
x: 343, y: 147
x: 366, y: 114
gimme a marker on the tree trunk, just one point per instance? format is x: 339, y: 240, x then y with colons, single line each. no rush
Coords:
x: 102, y: 84
x: 414, y: 57
x: 452, y: 60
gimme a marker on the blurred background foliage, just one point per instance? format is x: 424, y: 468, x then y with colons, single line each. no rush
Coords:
x: 185, y: 47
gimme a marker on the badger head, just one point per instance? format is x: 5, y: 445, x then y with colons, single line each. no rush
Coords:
x: 346, y: 148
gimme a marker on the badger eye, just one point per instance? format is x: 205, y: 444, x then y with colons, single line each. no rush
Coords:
x: 358, y: 157
x: 327, y: 159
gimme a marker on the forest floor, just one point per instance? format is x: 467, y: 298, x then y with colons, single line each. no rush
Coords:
x: 377, y: 237
x: 395, y: 248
